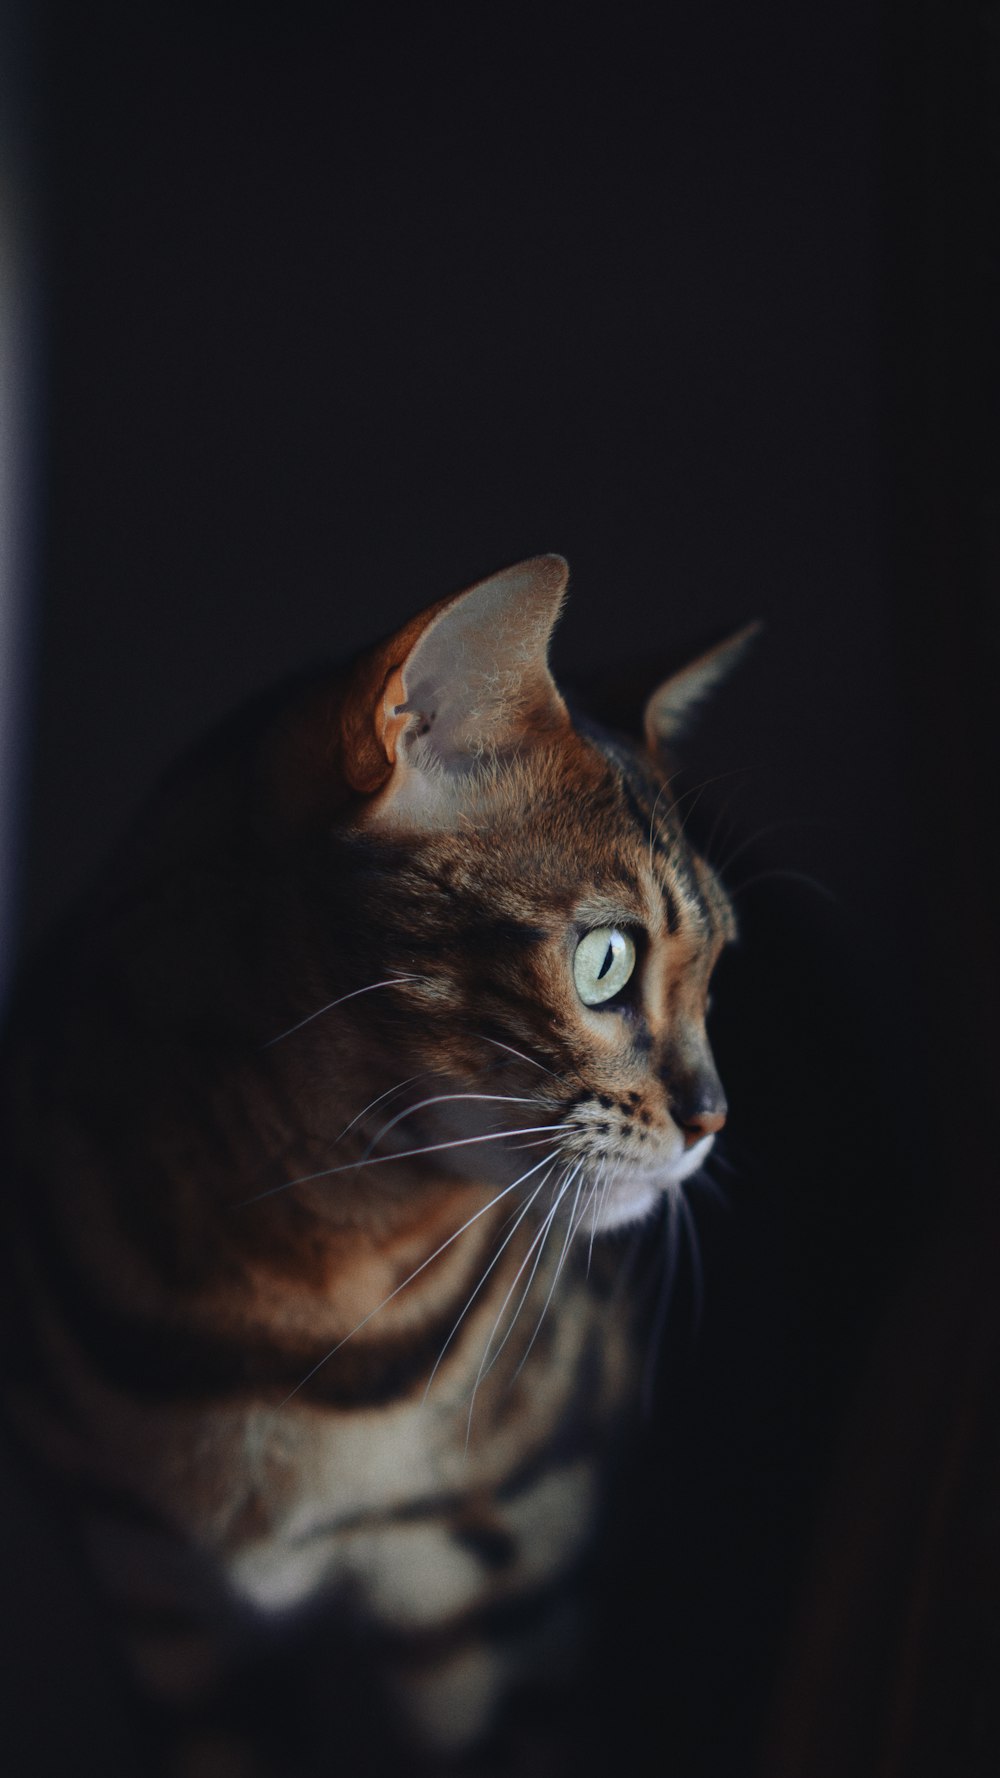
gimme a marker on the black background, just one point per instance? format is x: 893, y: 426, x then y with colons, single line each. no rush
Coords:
x: 347, y: 308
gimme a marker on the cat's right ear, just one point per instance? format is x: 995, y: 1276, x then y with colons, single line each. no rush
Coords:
x: 467, y: 679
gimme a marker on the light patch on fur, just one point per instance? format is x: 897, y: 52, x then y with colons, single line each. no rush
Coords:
x: 551, y: 1522
x: 411, y: 1576
x: 633, y: 1196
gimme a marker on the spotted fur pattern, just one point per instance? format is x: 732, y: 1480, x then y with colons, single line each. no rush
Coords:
x: 314, y: 1153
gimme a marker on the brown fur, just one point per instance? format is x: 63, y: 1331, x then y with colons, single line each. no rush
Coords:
x: 202, y: 1220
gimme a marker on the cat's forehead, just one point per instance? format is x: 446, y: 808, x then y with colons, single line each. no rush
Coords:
x: 591, y: 830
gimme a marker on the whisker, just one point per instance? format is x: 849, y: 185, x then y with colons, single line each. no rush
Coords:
x: 703, y: 1181
x: 538, y: 1241
x: 391, y: 981
x: 627, y: 1266
x: 606, y: 1193
x: 493, y: 1262
x: 512, y: 1051
x: 595, y: 1218
x: 541, y: 1236
x: 792, y: 876
x: 762, y: 833
x: 652, y: 819
x: 697, y: 1269
x: 444, y: 1099
x: 414, y: 1274
x: 718, y: 1159
x: 659, y: 1322
x: 574, y: 1231
x: 704, y: 783
x: 558, y: 1270
x: 380, y: 1160
x: 575, y: 1224
x: 722, y: 814
x: 389, y: 1091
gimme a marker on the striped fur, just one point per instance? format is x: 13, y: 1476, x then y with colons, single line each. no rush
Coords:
x: 310, y: 1138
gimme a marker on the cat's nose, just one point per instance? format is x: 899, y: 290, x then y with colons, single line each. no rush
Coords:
x: 698, y: 1106
x: 702, y: 1123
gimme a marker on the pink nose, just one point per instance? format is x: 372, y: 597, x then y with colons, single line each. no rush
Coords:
x: 701, y: 1123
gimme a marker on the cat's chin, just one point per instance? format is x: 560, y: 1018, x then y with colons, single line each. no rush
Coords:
x: 636, y: 1196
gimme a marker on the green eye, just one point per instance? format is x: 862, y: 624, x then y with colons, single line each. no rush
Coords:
x: 603, y: 961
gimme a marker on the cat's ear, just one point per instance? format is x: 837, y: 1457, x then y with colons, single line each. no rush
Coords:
x: 469, y: 676
x: 675, y: 701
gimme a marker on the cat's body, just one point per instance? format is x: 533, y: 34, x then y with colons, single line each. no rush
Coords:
x: 315, y: 1130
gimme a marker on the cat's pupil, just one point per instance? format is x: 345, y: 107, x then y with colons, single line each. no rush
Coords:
x: 609, y: 957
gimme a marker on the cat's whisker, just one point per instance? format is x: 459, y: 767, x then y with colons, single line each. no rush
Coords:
x: 445, y: 1099
x: 538, y: 1240
x: 538, y: 1243
x: 704, y: 1182
x: 596, y: 1217
x: 718, y: 1159
x: 606, y: 1192
x: 652, y: 819
x: 663, y: 1300
x: 628, y: 1265
x: 388, y: 1094
x: 484, y: 1209
x: 390, y: 981
x: 685, y: 818
x: 722, y: 815
x: 791, y: 876
x: 584, y: 1207
x: 574, y: 1224
x: 380, y: 1160
x: 521, y: 1214
x: 695, y: 790
x: 515, y: 1052
x: 762, y: 833
x: 697, y: 1269
x: 705, y: 783
x: 559, y: 1266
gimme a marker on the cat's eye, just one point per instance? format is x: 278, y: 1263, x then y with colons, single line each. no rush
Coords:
x: 602, y: 963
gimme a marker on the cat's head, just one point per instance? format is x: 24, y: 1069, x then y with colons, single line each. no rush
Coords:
x: 526, y: 935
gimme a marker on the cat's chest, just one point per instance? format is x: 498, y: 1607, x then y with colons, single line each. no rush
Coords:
x: 412, y: 1508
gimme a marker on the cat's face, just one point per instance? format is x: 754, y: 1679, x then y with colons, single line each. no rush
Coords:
x: 541, y: 931
x: 558, y: 946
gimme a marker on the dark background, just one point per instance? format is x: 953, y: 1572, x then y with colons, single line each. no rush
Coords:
x: 348, y: 308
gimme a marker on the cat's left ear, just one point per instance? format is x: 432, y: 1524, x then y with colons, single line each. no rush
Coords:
x: 469, y: 677
x: 674, y: 702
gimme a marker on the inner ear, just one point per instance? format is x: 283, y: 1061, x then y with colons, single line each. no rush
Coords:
x: 469, y: 677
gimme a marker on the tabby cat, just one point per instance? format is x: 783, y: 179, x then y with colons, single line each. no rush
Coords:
x: 389, y: 1011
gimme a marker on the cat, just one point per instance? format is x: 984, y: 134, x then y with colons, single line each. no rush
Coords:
x: 320, y: 1124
